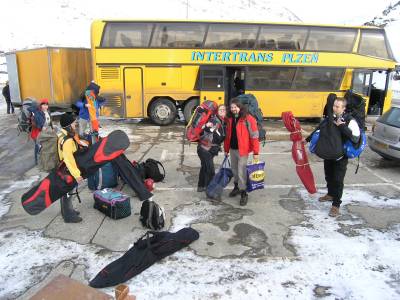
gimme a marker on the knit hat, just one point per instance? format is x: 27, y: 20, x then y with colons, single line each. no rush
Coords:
x: 66, y: 120
x: 93, y: 87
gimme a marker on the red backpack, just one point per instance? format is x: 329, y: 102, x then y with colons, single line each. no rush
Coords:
x: 199, y: 118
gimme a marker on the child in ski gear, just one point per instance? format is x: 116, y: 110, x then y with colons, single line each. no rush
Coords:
x: 335, y: 169
x: 241, y: 140
x: 6, y: 94
x: 67, y: 146
x: 209, y: 145
x: 41, y: 121
x: 83, y: 105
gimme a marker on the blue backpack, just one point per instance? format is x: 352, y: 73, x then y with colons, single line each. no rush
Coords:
x: 352, y: 151
x: 313, y: 142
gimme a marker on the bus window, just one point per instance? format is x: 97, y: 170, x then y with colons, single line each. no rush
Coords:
x: 318, y: 79
x: 176, y: 35
x: 269, y: 78
x: 212, y: 79
x: 281, y: 38
x: 231, y: 36
x: 361, y: 82
x: 331, y: 39
x: 373, y: 43
x: 126, y: 35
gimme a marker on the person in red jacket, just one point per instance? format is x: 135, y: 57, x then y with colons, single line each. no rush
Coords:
x: 241, y: 140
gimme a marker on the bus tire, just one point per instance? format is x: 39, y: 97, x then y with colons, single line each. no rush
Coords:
x: 162, y: 111
x: 189, y: 109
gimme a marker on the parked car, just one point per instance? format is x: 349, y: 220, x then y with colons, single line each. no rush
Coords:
x: 385, y: 136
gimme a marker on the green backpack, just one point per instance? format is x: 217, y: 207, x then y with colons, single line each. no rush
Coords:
x: 251, y: 103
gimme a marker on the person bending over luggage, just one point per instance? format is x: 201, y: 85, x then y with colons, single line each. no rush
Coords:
x: 83, y: 105
x: 335, y: 169
x: 67, y: 146
x: 209, y: 145
x: 241, y: 139
x: 41, y: 121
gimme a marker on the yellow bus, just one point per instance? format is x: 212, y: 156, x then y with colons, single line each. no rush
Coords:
x: 155, y: 68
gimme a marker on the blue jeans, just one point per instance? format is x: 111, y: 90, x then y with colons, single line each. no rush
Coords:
x: 36, y: 151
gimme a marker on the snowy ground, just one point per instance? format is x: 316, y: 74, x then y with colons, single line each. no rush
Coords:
x: 330, y: 264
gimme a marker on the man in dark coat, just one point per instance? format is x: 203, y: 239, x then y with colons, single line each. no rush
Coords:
x: 6, y: 94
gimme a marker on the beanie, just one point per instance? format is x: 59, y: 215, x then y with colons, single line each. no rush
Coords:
x: 93, y: 87
x: 66, y: 120
x: 44, y: 101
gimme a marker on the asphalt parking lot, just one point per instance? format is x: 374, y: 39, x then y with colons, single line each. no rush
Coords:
x: 276, y: 246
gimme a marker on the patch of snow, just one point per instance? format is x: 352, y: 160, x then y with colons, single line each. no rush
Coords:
x: 17, y: 185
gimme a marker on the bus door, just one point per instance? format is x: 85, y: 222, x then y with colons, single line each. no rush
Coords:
x: 212, y: 84
x: 361, y: 83
x: 133, y: 86
x: 234, y: 82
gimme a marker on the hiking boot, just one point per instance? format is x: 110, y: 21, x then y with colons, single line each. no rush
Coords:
x: 235, y: 191
x: 334, y: 212
x: 201, y: 189
x: 326, y: 198
x: 243, y: 198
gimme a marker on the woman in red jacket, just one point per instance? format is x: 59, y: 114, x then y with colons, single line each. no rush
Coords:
x: 241, y: 139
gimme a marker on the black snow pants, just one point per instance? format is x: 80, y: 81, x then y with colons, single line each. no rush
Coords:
x: 207, y: 170
x: 335, y: 171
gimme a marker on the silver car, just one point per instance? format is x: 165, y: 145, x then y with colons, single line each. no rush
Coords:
x: 385, y: 137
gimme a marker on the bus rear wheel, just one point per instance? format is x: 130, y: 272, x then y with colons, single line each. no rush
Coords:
x: 189, y: 109
x: 162, y: 111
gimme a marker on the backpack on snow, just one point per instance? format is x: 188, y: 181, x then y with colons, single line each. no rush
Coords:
x: 152, y: 215
x: 251, y: 103
x: 25, y: 116
x: 199, y: 118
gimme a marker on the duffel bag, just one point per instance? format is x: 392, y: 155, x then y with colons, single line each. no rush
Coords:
x: 112, y: 203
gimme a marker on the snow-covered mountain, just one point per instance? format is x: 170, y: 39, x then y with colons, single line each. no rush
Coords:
x: 33, y: 23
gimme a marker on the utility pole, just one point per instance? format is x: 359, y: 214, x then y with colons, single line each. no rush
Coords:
x: 187, y: 9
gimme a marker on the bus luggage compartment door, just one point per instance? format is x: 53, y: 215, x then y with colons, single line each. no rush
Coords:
x: 212, y: 84
x: 133, y: 85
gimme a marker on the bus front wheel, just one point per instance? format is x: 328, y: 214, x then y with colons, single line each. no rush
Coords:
x: 189, y: 109
x: 162, y: 111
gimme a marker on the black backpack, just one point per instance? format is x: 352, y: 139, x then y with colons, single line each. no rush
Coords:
x: 25, y: 115
x: 356, y: 108
x: 152, y: 215
x: 150, y: 169
x: 251, y: 103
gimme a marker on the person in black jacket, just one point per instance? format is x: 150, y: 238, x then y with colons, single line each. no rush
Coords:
x: 6, y: 94
x: 209, y: 145
x: 335, y: 169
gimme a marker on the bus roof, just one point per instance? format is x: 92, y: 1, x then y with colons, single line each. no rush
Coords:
x: 239, y: 22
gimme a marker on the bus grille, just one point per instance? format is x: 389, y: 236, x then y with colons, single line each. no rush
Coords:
x: 109, y: 73
x: 113, y: 106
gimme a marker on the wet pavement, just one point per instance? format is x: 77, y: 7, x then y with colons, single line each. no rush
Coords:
x: 262, y: 232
